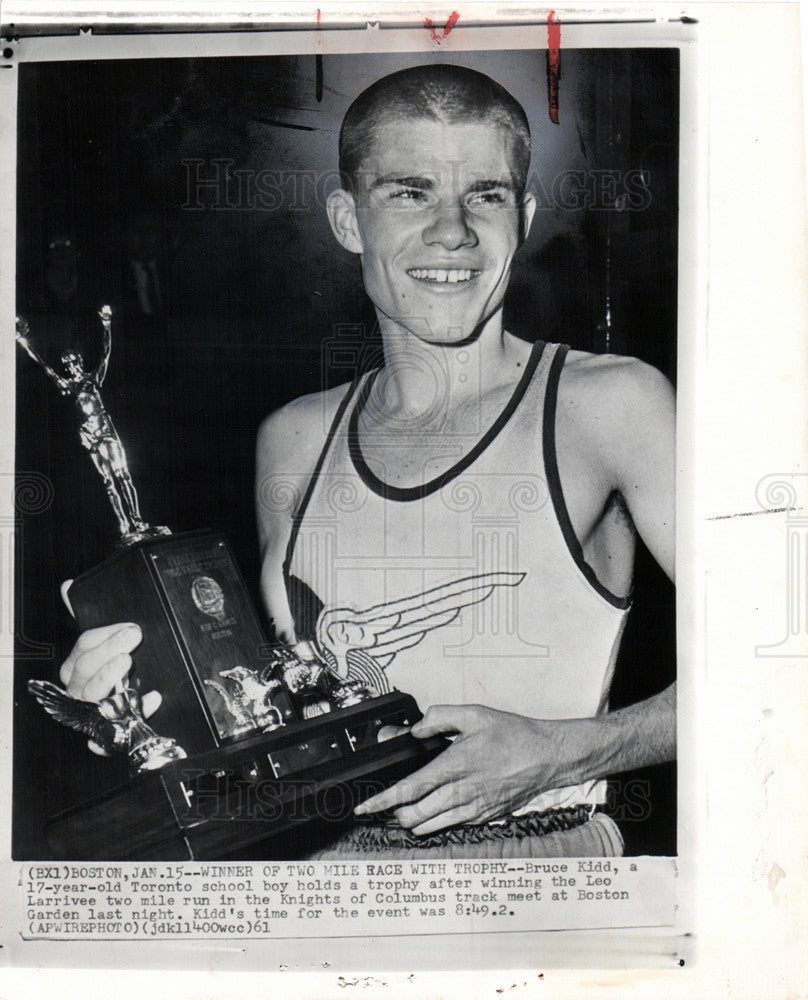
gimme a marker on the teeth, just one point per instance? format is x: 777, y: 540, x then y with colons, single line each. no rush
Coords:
x: 441, y: 275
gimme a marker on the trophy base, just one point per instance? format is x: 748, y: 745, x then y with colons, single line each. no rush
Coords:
x: 154, y: 753
x: 269, y: 797
x: 346, y: 697
x: 144, y: 535
x: 202, y: 640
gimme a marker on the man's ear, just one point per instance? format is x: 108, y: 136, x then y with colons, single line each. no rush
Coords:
x: 527, y: 212
x: 341, y: 209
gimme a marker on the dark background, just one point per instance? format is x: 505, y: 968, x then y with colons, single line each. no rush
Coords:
x: 256, y: 304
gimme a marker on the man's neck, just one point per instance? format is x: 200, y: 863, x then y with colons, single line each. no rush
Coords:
x: 421, y: 376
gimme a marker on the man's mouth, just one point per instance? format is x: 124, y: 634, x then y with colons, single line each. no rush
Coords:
x: 439, y: 275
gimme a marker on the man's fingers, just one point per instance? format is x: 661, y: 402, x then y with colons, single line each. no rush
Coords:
x: 103, y: 681
x: 443, y: 801
x: 97, y: 645
x: 410, y: 789
x: 452, y: 817
x: 446, y: 719
x: 390, y: 732
x: 150, y: 702
x: 96, y: 749
x: 407, y: 790
x: 93, y: 649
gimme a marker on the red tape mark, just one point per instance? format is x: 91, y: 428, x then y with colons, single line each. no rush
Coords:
x: 439, y: 39
x: 553, y: 63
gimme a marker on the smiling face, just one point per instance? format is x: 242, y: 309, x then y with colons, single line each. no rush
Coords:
x: 436, y: 220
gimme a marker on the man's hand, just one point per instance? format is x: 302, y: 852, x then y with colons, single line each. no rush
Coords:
x: 497, y: 763
x: 99, y: 661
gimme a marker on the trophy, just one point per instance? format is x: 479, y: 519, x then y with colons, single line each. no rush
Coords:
x: 116, y: 723
x: 267, y: 735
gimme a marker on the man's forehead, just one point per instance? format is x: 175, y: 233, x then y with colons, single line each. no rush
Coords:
x: 438, y: 151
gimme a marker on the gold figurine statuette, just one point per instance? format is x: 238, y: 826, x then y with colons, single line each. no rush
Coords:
x: 96, y: 430
x: 116, y: 723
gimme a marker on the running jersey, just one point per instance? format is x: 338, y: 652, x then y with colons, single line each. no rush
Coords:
x: 469, y: 589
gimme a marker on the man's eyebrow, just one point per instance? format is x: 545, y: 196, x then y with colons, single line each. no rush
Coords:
x: 422, y: 183
x: 426, y: 183
x: 501, y: 182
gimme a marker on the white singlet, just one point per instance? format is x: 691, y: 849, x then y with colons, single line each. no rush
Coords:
x: 470, y: 589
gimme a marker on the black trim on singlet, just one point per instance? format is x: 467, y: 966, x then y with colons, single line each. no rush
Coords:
x: 406, y: 493
x: 554, y: 483
x: 301, y: 510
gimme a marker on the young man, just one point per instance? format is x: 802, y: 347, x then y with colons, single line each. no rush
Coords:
x: 460, y: 524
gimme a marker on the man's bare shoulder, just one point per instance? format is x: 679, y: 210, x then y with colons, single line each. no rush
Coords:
x: 611, y: 407
x: 291, y: 435
x: 612, y: 388
x: 616, y: 431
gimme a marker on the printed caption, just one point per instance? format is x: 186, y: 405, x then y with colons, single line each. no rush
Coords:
x: 72, y: 901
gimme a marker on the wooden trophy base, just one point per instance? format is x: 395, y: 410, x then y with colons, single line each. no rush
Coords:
x: 198, y: 624
x: 274, y: 796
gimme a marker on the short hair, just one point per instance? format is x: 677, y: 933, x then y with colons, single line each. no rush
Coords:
x: 436, y: 92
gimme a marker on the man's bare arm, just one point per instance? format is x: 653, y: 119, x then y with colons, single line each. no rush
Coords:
x: 278, y: 491
x: 639, y: 441
x: 499, y: 761
x: 635, y: 432
x: 289, y: 443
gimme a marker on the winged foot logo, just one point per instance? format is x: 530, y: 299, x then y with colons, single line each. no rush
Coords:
x: 361, y: 645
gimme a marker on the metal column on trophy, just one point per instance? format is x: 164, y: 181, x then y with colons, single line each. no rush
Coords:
x: 238, y: 763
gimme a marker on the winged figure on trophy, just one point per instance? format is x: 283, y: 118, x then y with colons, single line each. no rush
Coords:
x: 248, y: 699
x: 115, y: 724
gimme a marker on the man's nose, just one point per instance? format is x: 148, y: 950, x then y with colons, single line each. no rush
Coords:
x: 450, y: 229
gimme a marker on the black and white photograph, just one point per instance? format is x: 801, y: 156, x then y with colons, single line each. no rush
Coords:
x: 401, y: 336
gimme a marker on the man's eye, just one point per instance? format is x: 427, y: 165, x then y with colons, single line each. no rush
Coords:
x: 487, y: 198
x: 408, y: 194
